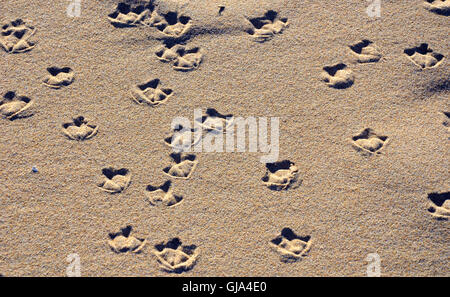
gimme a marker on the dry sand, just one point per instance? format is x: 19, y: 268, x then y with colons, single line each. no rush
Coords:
x: 349, y: 202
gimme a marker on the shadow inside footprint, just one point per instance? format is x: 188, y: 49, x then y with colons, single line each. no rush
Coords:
x: 127, y: 15
x: 439, y: 205
x: 183, y: 167
x: 423, y: 56
x: 162, y: 195
x: 183, y: 139
x: 172, y: 25
x: 281, y: 175
x: 180, y: 56
x: 150, y: 93
x: 58, y: 77
x: 115, y: 181
x: 122, y: 242
x: 446, y: 122
x: 175, y: 257
x: 441, y: 7
x: 365, y: 51
x: 367, y: 141
x: 290, y: 246
x: 15, y: 35
x: 13, y: 107
x: 264, y: 28
x: 215, y: 121
x: 338, y: 76
x: 79, y: 129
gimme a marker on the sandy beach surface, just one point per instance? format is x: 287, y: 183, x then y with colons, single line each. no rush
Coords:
x: 327, y: 69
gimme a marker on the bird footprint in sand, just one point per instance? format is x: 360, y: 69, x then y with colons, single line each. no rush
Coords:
x: 215, y: 121
x: 423, y: 56
x: 281, y: 175
x: 264, y: 28
x: 290, y: 246
x: 162, y: 195
x: 59, y: 77
x: 441, y: 7
x: 150, y: 93
x: 180, y: 56
x: 115, y: 181
x: 369, y: 142
x: 79, y: 129
x: 183, y: 139
x: 175, y: 257
x: 127, y: 15
x: 183, y: 167
x: 15, y: 35
x: 171, y: 24
x: 122, y: 242
x: 338, y: 76
x: 365, y: 51
x: 13, y: 106
x: 439, y: 205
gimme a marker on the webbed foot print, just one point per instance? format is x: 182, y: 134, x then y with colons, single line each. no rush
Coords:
x: 365, y: 52
x: 369, y: 142
x: 183, y: 139
x: 439, y: 205
x: 15, y: 35
x: 441, y: 7
x: 175, y: 257
x: 338, y: 76
x: 281, y: 175
x: 13, y: 106
x: 180, y: 56
x: 171, y: 24
x: 215, y: 121
x: 423, y: 56
x: 184, y: 166
x: 127, y: 15
x: 162, y: 195
x: 150, y: 93
x: 122, y: 242
x: 59, y: 77
x: 115, y: 181
x: 264, y: 28
x: 79, y: 129
x: 290, y: 246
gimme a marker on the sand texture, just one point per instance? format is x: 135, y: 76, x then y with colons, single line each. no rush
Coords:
x: 87, y: 167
